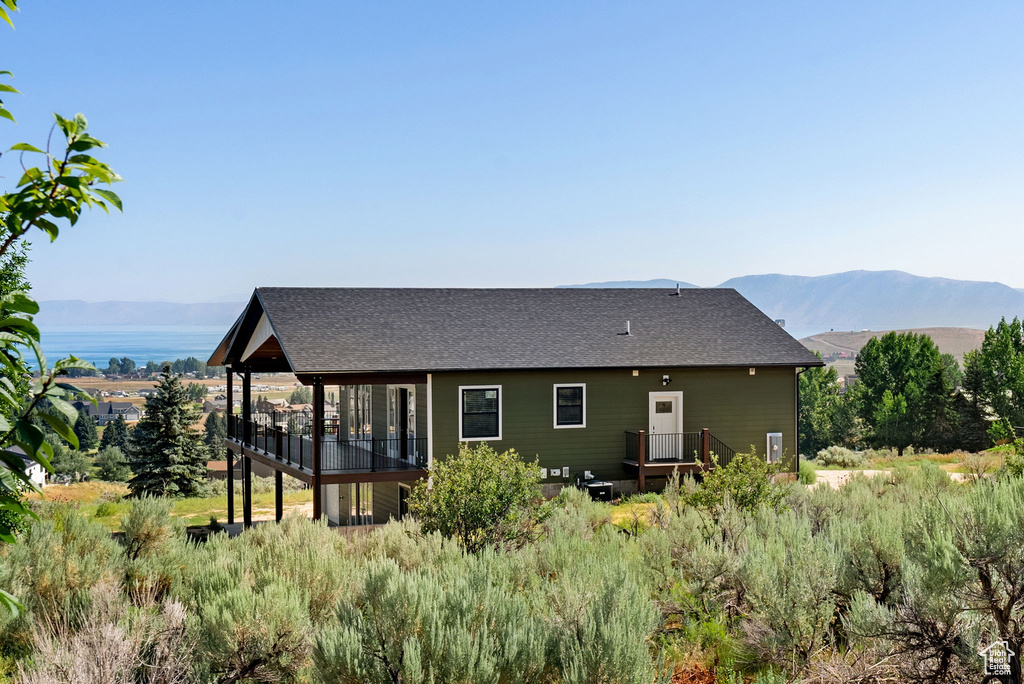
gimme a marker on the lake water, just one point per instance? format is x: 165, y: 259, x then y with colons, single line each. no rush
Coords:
x: 141, y: 344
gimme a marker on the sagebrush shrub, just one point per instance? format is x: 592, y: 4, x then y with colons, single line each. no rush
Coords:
x: 841, y: 457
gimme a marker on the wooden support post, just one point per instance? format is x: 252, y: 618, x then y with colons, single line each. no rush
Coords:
x: 318, y: 445
x: 641, y: 457
x: 705, y: 447
x: 247, y: 408
x: 247, y: 440
x: 246, y: 492
x: 229, y: 411
x: 231, y: 487
x: 278, y: 495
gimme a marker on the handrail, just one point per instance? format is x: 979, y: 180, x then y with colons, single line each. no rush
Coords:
x: 675, y: 447
x: 288, y: 440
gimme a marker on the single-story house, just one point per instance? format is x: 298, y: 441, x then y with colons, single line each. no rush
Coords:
x: 105, y: 411
x: 219, y: 404
x: 619, y: 385
x: 36, y: 472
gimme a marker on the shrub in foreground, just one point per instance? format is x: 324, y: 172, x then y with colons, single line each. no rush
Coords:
x: 480, y: 498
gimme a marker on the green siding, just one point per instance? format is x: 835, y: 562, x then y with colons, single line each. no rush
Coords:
x: 740, y: 409
x: 379, y: 411
x: 385, y: 502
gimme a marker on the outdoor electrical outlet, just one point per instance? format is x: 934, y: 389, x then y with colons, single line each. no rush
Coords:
x: 543, y: 473
x: 565, y: 472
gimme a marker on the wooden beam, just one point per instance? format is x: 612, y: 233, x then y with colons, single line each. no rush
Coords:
x: 705, y: 447
x: 415, y: 378
x: 231, y: 487
x: 377, y: 476
x: 246, y: 492
x: 278, y: 495
x: 332, y: 477
x: 641, y: 457
x: 318, y: 447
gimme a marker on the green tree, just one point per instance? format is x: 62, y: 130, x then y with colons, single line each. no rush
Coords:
x: 85, y: 430
x: 973, y: 416
x: 70, y: 463
x: 904, y: 366
x: 165, y: 451
x: 480, y: 498
x: 196, y: 392
x: 938, y: 409
x: 215, y: 431
x: 1001, y: 369
x: 826, y: 416
x: 111, y: 465
x: 892, y: 425
x: 301, y: 395
x: 115, y: 434
x: 127, y: 365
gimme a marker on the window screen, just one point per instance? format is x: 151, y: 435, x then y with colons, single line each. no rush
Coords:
x: 479, y: 413
x: 569, y: 407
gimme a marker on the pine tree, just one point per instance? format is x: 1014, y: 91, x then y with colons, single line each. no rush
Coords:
x: 115, y: 435
x: 974, y: 419
x: 85, y: 430
x: 216, y: 430
x: 166, y: 452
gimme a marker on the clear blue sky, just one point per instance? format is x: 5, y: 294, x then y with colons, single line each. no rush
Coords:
x: 527, y: 143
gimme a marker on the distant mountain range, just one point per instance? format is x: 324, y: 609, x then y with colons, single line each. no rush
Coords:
x: 855, y: 300
x: 78, y: 313
x: 874, y: 300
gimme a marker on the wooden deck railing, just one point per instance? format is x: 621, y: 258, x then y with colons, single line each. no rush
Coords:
x: 288, y: 438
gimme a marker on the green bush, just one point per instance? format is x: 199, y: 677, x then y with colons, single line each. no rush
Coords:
x: 149, y: 526
x: 106, y: 509
x: 841, y: 457
x: 746, y: 481
x: 111, y: 465
x: 480, y: 498
x: 254, y: 635
x: 59, y: 560
x: 807, y: 475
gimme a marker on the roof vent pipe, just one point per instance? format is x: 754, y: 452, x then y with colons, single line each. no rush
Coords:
x: 677, y: 289
x: 627, y: 328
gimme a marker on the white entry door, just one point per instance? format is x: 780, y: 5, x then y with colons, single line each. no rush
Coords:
x: 665, y: 441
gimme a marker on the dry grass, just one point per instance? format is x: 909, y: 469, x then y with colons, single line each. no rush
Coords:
x: 955, y: 341
x: 80, y: 492
x: 87, y: 496
x: 135, y: 385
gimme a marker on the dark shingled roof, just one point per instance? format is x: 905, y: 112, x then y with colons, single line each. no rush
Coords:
x: 324, y: 330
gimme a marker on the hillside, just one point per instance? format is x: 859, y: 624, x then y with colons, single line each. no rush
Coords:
x: 955, y: 341
x: 879, y: 300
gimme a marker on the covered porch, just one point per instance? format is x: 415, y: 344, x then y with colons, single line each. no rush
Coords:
x: 343, y: 437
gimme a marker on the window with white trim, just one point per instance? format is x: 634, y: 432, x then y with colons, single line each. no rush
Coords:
x: 479, y: 412
x: 571, y: 405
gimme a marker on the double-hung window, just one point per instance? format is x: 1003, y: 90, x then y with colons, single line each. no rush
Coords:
x: 571, y: 405
x: 479, y: 412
